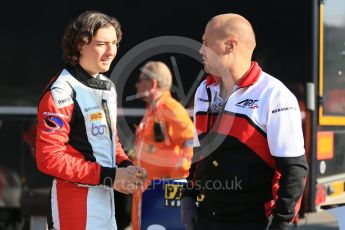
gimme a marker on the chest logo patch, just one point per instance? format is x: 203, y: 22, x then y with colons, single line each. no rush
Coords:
x: 96, y: 116
x: 248, y: 104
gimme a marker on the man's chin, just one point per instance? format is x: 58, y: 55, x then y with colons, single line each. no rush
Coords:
x: 209, y: 71
x: 104, y: 68
x: 206, y: 69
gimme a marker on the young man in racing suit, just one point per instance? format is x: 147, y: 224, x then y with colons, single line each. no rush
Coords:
x: 76, y: 140
x: 248, y: 159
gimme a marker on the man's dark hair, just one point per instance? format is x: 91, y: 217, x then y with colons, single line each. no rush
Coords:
x: 81, y: 31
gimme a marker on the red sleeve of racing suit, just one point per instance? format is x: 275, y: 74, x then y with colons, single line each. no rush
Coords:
x: 53, y: 154
x: 122, y: 159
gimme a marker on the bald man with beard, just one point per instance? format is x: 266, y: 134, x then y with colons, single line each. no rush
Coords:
x: 249, y: 162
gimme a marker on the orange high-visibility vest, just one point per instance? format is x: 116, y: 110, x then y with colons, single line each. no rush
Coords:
x: 169, y: 158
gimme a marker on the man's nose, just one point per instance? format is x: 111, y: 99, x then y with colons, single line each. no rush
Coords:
x: 112, y: 49
x: 202, y: 50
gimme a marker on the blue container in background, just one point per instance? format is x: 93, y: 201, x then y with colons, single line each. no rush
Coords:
x: 161, y: 205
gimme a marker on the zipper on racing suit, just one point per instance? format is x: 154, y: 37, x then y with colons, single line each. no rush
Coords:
x: 107, y: 117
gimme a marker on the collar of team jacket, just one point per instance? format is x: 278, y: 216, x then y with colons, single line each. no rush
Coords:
x: 249, y: 78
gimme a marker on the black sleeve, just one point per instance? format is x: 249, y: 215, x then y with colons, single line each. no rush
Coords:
x: 107, y: 176
x: 125, y: 163
x: 291, y: 186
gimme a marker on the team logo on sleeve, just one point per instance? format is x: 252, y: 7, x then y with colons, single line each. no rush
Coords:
x: 284, y: 109
x: 55, y: 114
x: 54, y: 122
x: 61, y: 98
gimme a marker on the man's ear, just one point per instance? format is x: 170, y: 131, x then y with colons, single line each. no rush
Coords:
x: 81, y: 49
x: 154, y: 84
x: 229, y: 46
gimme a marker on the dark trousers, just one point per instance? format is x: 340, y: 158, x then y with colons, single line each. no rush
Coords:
x: 219, y: 215
x: 204, y: 224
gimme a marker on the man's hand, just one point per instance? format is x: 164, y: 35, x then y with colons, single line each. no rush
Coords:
x: 127, y: 180
x: 189, y: 213
x: 140, y: 173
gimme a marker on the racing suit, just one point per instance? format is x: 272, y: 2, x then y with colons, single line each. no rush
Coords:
x: 169, y: 157
x: 77, y: 144
x: 248, y: 152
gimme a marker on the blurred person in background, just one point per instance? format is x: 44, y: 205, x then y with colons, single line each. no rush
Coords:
x: 164, y: 137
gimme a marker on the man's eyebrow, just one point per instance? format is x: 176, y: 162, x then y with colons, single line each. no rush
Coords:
x: 101, y: 41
